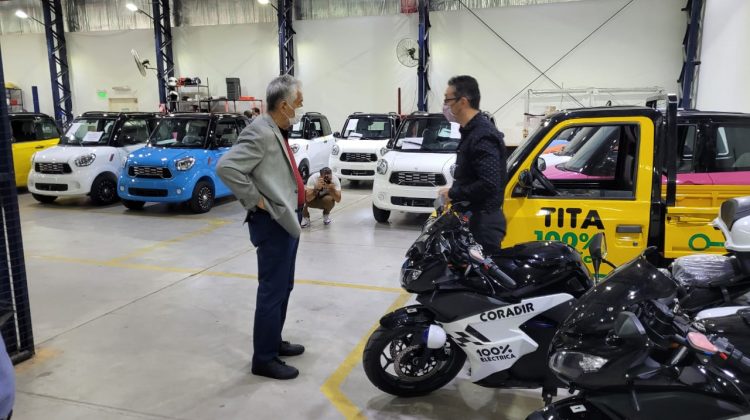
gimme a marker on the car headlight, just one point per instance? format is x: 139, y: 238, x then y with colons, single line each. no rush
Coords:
x: 33, y: 155
x: 184, y: 164
x: 569, y: 365
x: 382, y: 167
x: 383, y: 151
x: 85, y: 160
x: 335, y: 150
x: 295, y: 148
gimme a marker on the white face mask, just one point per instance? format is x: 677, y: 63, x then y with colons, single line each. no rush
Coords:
x: 298, y: 113
x: 449, y: 113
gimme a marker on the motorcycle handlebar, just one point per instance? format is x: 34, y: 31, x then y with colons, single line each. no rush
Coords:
x: 500, y: 276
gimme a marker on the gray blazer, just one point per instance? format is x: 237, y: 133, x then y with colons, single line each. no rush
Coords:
x: 258, y: 165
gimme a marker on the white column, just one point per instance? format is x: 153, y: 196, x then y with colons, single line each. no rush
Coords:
x: 724, y: 75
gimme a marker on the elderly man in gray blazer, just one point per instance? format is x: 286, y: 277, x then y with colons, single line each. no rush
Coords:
x: 261, y: 172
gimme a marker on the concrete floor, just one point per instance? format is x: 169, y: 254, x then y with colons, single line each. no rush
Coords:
x: 147, y: 315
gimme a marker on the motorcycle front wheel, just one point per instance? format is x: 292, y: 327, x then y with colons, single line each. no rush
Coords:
x: 399, y: 363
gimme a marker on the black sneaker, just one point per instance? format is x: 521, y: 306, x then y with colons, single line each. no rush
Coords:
x: 275, y: 369
x: 288, y: 349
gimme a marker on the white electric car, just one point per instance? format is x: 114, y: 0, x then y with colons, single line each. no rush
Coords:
x: 418, y: 163
x: 89, y: 157
x: 361, y: 143
x: 311, y: 141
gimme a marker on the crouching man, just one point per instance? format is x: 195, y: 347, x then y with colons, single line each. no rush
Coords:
x: 323, y: 191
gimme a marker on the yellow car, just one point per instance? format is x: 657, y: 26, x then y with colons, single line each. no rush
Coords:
x: 31, y: 133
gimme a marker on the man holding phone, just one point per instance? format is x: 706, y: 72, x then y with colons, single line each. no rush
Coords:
x: 323, y: 191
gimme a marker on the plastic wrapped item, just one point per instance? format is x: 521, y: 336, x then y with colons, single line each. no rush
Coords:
x: 700, y: 270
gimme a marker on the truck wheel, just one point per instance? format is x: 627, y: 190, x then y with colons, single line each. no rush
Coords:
x: 46, y: 199
x: 104, y: 190
x: 381, y: 215
x: 133, y: 205
x: 203, y: 197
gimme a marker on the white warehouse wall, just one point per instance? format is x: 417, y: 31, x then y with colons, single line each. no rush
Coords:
x: 25, y: 64
x: 723, y: 83
x: 640, y: 47
x: 350, y: 64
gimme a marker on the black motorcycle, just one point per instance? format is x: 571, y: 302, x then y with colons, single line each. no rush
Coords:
x: 500, y: 312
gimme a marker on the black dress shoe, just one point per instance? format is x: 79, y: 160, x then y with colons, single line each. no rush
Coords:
x: 288, y: 349
x: 275, y: 369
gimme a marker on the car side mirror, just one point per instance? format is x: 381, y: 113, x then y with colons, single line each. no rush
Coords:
x: 541, y: 164
x: 629, y: 327
x: 337, y: 135
x: 597, y: 251
x: 525, y: 180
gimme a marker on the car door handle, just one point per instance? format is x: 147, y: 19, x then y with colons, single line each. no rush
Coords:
x: 629, y: 229
x: 39, y: 147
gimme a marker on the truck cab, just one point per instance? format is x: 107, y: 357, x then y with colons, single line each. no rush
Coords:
x: 644, y: 177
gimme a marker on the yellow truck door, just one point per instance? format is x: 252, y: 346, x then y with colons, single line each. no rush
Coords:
x: 713, y: 166
x: 606, y: 186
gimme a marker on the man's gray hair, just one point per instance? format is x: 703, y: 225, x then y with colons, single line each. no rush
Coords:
x: 282, y: 88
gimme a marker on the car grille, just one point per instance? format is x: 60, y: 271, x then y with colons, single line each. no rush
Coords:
x: 52, y: 168
x: 51, y: 187
x: 359, y: 157
x: 149, y: 172
x: 417, y: 179
x: 351, y: 172
x: 147, y: 192
x: 412, y: 202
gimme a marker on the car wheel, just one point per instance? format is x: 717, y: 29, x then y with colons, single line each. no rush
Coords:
x: 104, y: 190
x: 304, y: 172
x: 133, y: 205
x: 203, y: 197
x: 46, y: 199
x: 381, y: 215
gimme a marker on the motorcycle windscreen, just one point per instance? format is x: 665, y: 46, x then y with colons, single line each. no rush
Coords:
x: 630, y: 284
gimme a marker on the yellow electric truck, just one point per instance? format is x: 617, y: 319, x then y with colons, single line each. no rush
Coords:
x: 645, y: 176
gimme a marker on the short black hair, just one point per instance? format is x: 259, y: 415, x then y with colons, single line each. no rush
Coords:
x: 326, y: 171
x: 257, y: 110
x: 466, y: 87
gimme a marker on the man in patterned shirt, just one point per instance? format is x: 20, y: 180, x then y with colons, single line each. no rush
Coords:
x: 481, y: 172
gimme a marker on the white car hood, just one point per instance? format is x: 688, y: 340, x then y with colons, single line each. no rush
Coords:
x: 361, y: 146
x: 65, y: 154
x: 419, y: 162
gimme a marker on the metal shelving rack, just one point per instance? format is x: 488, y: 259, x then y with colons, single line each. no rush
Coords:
x: 199, y: 95
x: 15, y: 99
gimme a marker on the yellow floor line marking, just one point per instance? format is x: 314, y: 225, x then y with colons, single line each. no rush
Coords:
x: 147, y: 267
x: 41, y: 355
x: 331, y: 388
x: 213, y: 224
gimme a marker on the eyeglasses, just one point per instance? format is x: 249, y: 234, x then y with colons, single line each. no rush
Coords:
x: 447, y: 100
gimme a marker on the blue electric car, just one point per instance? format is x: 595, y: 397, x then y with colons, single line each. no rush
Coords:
x: 179, y: 163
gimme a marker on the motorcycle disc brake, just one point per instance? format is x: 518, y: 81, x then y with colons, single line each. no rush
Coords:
x: 411, y: 370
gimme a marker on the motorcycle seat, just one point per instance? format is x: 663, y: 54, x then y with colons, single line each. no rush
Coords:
x: 705, y: 271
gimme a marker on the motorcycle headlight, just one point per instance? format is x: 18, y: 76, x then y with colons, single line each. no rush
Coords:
x: 85, y: 160
x: 295, y: 148
x: 335, y: 150
x: 408, y: 275
x: 453, y: 170
x: 569, y: 365
x: 184, y: 164
x: 382, y: 167
x: 383, y: 151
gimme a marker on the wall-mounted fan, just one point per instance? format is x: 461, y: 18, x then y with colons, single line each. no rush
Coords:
x: 141, y: 64
x: 407, y: 52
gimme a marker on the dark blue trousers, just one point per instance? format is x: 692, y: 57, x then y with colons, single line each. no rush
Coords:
x: 277, y: 252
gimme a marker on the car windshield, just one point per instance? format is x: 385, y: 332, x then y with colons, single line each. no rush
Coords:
x: 431, y: 134
x: 89, y: 132
x: 600, y: 146
x: 367, y: 128
x: 33, y: 128
x: 189, y: 133
x: 296, y: 132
